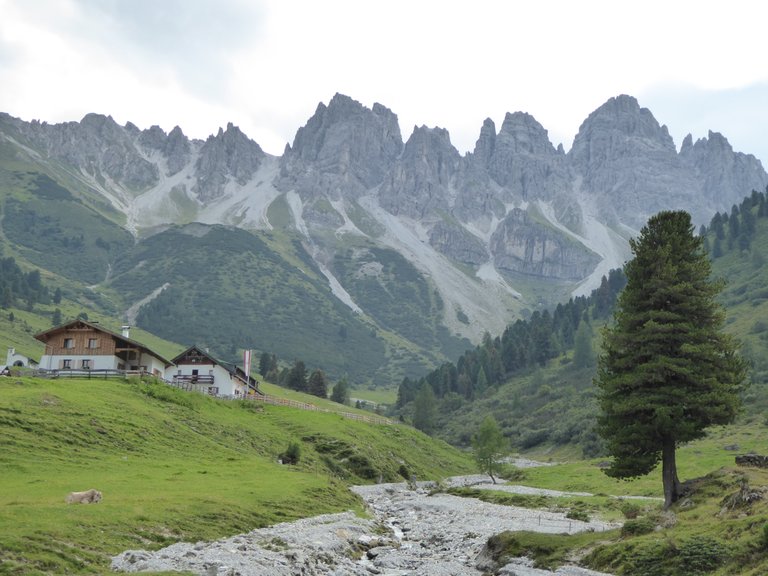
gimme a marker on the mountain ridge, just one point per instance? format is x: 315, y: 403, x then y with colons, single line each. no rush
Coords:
x: 513, y: 226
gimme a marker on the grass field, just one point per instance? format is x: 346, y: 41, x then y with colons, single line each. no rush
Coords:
x: 175, y: 466
x: 711, y: 530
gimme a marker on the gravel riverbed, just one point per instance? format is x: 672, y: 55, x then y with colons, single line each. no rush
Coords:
x: 413, y: 531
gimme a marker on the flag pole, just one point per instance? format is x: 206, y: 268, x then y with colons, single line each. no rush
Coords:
x: 247, y: 370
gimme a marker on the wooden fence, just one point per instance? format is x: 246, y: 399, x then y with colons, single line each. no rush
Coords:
x: 106, y: 374
x: 305, y: 406
x: 94, y: 374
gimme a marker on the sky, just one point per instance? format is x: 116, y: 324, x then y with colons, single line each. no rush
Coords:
x: 265, y: 65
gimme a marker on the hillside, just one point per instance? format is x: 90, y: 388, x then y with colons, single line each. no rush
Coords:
x: 175, y: 465
x: 546, y: 401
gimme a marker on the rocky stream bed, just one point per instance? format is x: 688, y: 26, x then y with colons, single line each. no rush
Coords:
x: 414, y: 530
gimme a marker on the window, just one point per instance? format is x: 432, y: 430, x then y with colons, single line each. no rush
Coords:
x: 66, y: 364
x: 86, y: 364
x: 93, y: 342
x: 69, y: 343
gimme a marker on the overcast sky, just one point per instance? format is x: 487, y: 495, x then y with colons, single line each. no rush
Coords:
x: 264, y: 65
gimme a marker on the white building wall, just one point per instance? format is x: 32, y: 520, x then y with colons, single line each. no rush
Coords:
x: 222, y: 380
x: 56, y: 362
x: 13, y: 357
x: 154, y: 365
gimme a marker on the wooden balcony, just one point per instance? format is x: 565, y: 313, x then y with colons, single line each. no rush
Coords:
x: 199, y: 379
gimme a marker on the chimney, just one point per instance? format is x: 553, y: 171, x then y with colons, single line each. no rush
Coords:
x: 9, y: 357
x: 126, y: 331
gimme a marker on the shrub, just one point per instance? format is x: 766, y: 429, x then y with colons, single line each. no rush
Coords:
x: 701, y: 554
x: 580, y: 515
x: 652, y: 559
x: 360, y: 466
x: 292, y: 454
x: 630, y: 510
x: 637, y: 527
x: 764, y: 537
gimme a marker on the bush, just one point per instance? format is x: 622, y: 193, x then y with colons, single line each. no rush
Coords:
x: 630, y: 510
x: 764, y: 537
x: 701, y: 554
x: 637, y: 527
x: 653, y: 559
x: 360, y: 466
x: 292, y: 454
x: 580, y: 515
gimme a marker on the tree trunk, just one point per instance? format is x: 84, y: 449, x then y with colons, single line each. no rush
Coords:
x: 669, y: 473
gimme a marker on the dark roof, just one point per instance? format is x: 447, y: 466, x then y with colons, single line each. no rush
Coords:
x: 45, y: 335
x: 200, y: 352
x: 228, y: 366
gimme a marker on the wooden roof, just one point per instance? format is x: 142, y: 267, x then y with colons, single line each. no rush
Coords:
x: 80, y: 324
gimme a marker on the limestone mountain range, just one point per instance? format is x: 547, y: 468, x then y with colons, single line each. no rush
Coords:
x: 513, y: 225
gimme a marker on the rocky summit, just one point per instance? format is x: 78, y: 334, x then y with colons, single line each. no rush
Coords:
x: 515, y: 224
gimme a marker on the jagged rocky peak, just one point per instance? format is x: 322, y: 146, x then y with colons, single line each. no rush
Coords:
x: 153, y: 137
x: 344, y: 149
x: 422, y: 177
x: 98, y: 146
x: 628, y: 162
x: 176, y: 150
x: 618, y: 127
x: 230, y: 155
x: 521, y: 133
x: 723, y: 172
x: 486, y: 143
x: 520, y: 159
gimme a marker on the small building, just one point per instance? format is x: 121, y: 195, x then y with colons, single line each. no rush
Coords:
x: 83, y: 345
x: 196, y: 370
x: 15, y: 360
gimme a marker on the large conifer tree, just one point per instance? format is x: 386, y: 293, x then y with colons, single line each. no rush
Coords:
x: 666, y: 371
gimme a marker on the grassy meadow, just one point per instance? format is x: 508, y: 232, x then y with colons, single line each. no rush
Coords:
x: 175, y: 466
x: 711, y: 530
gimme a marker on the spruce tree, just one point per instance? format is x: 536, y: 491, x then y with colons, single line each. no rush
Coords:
x: 340, y: 392
x: 583, y: 353
x: 425, y: 409
x: 297, y: 377
x: 667, y: 371
x: 317, y: 384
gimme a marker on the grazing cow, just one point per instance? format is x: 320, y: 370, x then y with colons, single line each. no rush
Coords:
x: 88, y: 497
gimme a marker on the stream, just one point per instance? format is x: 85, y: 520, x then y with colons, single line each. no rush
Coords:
x: 413, y: 530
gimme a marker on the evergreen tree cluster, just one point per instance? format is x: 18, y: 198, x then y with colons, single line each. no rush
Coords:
x: 296, y: 378
x: 524, y: 344
x: 18, y: 286
x: 736, y: 230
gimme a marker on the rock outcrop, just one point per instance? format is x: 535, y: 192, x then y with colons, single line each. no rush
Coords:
x: 343, y: 151
x: 228, y: 156
x: 525, y: 246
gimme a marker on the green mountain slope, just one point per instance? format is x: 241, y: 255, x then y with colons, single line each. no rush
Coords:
x: 225, y: 288
x: 174, y: 466
x: 551, y: 405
